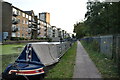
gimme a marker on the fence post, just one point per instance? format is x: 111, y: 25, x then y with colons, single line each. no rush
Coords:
x: 118, y: 52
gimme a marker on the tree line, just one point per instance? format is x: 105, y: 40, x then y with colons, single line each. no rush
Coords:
x: 101, y: 18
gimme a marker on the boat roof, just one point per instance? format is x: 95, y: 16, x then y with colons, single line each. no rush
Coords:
x: 46, y: 43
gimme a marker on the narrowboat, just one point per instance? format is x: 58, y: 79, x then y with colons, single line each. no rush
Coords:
x: 34, y: 58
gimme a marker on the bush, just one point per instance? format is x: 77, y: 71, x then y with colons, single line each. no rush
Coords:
x: 21, y: 38
x: 49, y: 40
x: 38, y: 38
x: 93, y: 44
x: 18, y: 38
x: 15, y: 38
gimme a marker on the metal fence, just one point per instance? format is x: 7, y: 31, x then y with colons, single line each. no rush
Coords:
x: 108, y: 45
x: 117, y: 51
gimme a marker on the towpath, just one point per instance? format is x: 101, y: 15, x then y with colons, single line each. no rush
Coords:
x: 84, y: 67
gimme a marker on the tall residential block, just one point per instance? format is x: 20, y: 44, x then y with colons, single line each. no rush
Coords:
x: 45, y: 16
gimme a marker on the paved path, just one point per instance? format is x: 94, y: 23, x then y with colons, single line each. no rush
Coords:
x: 84, y: 67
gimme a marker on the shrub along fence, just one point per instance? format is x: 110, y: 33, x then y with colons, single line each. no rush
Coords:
x: 108, y: 45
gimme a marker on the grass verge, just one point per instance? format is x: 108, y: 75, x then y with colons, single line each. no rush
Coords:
x: 106, y: 67
x: 64, y: 69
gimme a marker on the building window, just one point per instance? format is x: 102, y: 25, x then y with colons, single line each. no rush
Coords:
x: 29, y: 35
x: 29, y: 17
x: 14, y: 11
x: 33, y: 19
x: 26, y: 16
x: 19, y: 13
x: 13, y: 18
x: 23, y: 14
x: 18, y: 27
x: 23, y: 21
x: 13, y: 34
x: 18, y: 34
x: 22, y: 35
x: 26, y: 22
x: 18, y: 19
x: 23, y: 28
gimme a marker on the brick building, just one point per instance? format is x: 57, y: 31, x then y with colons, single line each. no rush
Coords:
x: 19, y: 24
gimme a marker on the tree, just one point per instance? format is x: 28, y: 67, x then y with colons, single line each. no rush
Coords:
x: 101, y: 18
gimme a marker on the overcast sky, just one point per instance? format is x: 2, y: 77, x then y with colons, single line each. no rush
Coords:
x: 63, y: 13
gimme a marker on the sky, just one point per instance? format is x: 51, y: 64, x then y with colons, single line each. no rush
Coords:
x: 63, y: 13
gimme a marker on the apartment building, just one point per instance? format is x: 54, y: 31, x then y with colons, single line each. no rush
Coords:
x: 55, y: 36
x: 59, y: 32
x: 17, y: 23
x: 45, y: 17
x: 32, y: 24
x: 42, y: 30
x: 20, y: 22
x: 55, y: 31
x: 38, y: 29
x: 49, y: 31
x: 62, y: 34
x: 65, y: 34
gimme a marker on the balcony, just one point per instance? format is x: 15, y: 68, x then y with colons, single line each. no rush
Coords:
x: 53, y: 30
x: 14, y: 29
x: 45, y: 26
x: 38, y: 23
x: 30, y: 26
x: 33, y: 28
x: 45, y: 29
x: 34, y: 23
x: 15, y: 21
x: 29, y: 30
x: 30, y: 20
x: 15, y: 14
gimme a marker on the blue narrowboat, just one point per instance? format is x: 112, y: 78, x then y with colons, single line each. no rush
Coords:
x: 34, y: 58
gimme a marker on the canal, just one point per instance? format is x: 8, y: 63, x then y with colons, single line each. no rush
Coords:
x: 9, y: 53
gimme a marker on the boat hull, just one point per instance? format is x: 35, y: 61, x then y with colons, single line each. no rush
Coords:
x: 22, y: 71
x: 22, y: 77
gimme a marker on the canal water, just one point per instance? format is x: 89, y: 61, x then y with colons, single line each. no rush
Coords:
x: 10, y: 53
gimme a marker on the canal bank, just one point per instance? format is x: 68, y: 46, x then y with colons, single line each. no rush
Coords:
x: 23, y: 41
